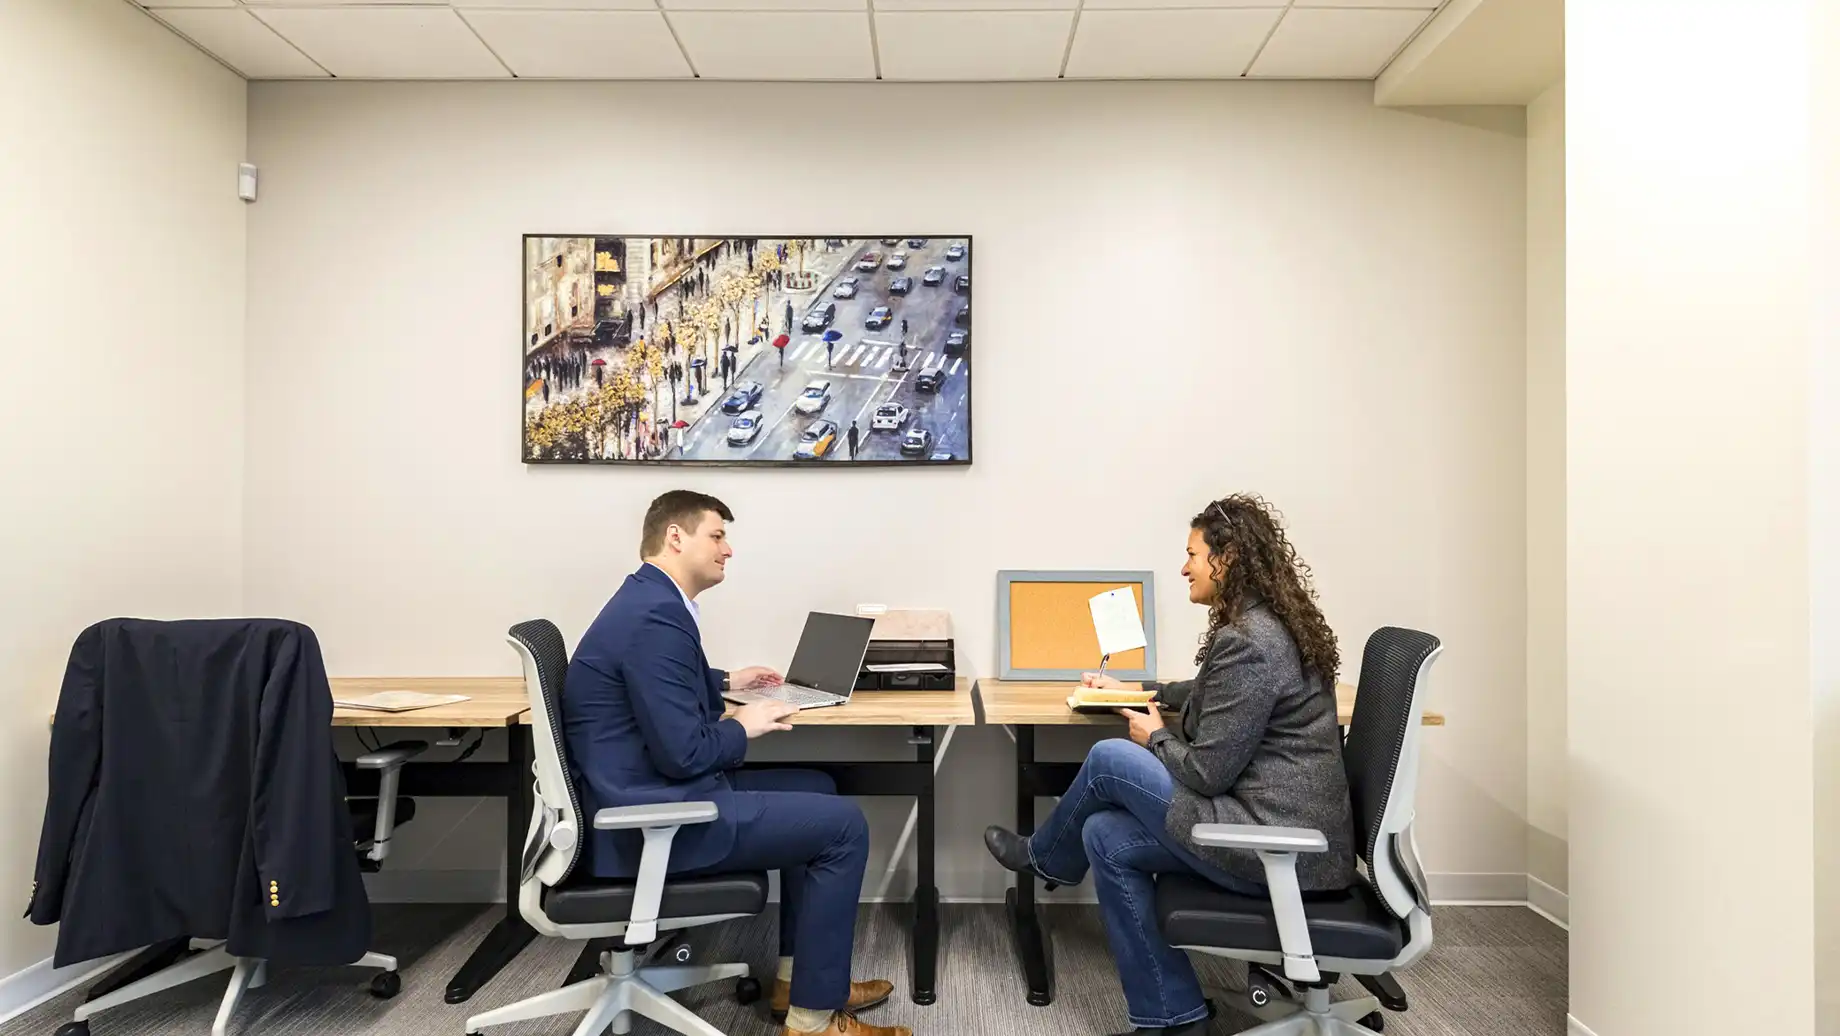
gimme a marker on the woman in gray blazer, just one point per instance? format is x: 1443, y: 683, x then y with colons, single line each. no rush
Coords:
x: 1256, y: 743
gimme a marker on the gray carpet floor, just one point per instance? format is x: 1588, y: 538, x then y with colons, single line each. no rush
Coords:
x: 1493, y: 971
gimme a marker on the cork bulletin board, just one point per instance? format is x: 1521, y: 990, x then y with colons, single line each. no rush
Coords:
x: 1045, y: 628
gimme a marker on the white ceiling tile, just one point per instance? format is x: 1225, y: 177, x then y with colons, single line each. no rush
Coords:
x: 1335, y: 44
x: 1186, y: 44
x: 386, y: 42
x: 240, y: 41
x: 764, y: 5
x: 1152, y: 5
x: 776, y: 45
x: 185, y: 3
x: 974, y: 45
x: 1415, y: 5
x: 582, y: 44
x: 346, y: 3
x: 564, y: 5
x: 978, y: 5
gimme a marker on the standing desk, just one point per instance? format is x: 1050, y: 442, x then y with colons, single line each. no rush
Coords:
x: 1026, y: 705
x: 493, y: 702
x: 932, y: 717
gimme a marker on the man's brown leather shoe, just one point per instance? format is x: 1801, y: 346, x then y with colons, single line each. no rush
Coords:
x: 863, y: 995
x: 843, y: 1023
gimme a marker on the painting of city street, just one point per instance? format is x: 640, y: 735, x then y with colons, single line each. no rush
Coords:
x: 780, y: 351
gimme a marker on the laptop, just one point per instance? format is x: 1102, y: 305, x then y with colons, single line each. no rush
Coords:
x: 825, y: 666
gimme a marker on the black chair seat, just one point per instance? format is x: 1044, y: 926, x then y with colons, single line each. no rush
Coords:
x: 364, y: 814
x: 589, y: 900
x: 1353, y: 924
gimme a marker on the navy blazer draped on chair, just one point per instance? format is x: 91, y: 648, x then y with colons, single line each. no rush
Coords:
x: 194, y: 793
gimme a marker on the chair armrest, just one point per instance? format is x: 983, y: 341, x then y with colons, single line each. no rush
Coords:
x: 1277, y: 848
x: 1261, y: 839
x: 391, y: 756
x: 659, y: 823
x: 659, y: 814
x: 390, y: 760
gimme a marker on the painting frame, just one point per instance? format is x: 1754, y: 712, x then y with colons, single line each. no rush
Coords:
x: 962, y: 455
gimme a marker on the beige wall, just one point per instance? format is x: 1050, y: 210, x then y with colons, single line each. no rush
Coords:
x: 121, y: 346
x: 1687, y: 592
x: 1546, y: 854
x: 1184, y: 290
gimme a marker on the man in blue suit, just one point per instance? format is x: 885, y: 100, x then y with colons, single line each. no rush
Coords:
x: 642, y: 710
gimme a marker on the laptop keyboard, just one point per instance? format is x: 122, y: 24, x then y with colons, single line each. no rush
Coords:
x: 793, y: 694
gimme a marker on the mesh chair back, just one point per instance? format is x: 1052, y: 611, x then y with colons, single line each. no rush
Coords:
x: 1380, y: 757
x: 557, y: 804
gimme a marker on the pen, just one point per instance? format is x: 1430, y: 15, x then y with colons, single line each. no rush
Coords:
x: 1103, y: 659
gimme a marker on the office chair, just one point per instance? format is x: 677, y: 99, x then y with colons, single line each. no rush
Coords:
x: 628, y: 915
x: 1381, y: 924
x: 179, y: 961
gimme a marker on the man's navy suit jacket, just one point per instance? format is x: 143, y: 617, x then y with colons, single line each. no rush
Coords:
x: 642, y: 713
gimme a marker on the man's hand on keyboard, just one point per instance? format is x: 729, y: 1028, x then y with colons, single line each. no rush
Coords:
x: 753, y: 678
x: 764, y: 717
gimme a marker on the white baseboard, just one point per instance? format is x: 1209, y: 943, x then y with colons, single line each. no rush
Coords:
x: 1478, y: 889
x: 23, y: 990
x: 1549, y: 902
x: 1574, y: 1027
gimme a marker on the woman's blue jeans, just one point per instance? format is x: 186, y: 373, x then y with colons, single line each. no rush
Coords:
x: 1112, y: 821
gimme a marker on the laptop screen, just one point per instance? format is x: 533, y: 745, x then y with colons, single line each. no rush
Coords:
x: 830, y: 652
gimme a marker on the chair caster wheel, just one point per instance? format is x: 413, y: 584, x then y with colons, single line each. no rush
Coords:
x: 73, y: 1029
x: 1375, y: 1022
x: 747, y: 990
x: 1262, y: 987
x: 386, y: 984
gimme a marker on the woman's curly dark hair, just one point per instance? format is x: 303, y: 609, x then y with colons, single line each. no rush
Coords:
x: 1252, y: 560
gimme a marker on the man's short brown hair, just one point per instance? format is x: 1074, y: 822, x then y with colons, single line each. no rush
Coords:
x: 680, y: 507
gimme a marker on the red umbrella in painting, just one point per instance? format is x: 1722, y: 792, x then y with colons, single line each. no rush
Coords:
x: 598, y: 362
x: 780, y: 344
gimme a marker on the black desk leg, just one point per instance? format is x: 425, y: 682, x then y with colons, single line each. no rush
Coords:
x: 512, y: 933
x: 1032, y: 946
x: 925, y: 952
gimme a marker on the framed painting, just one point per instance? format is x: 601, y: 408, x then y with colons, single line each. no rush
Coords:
x: 747, y: 351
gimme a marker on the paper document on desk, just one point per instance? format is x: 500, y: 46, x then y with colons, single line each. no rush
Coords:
x: 906, y: 667
x: 1116, y: 621
x: 398, y: 701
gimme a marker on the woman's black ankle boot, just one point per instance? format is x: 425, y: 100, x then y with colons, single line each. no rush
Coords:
x: 1012, y: 851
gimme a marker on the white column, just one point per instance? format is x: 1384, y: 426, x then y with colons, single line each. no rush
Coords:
x: 1689, y: 318
x: 1824, y: 524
